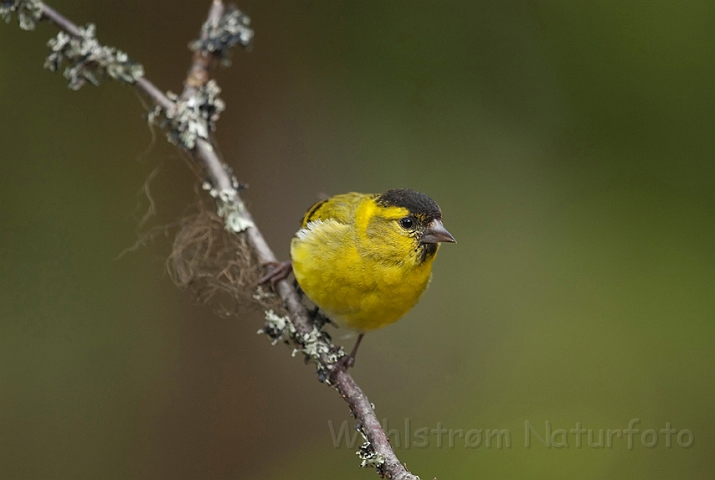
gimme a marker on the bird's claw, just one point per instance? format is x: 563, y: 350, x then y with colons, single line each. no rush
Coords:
x: 347, y: 361
x: 342, y: 365
x: 279, y: 271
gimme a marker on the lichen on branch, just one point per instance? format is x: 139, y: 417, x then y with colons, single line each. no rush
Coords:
x: 188, y: 120
x: 219, y: 35
x: 28, y: 12
x: 87, y: 60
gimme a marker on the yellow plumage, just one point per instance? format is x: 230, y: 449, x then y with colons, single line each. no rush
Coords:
x: 365, y: 259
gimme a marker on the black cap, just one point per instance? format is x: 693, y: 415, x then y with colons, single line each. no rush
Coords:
x: 417, y: 203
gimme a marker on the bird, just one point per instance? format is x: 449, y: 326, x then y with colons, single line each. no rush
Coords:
x: 365, y: 259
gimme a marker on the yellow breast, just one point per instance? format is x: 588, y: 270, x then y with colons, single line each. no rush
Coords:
x: 361, y: 285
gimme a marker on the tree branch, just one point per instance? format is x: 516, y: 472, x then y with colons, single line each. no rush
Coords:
x: 188, y: 120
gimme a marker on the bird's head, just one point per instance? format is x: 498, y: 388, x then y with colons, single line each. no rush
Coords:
x: 403, y: 226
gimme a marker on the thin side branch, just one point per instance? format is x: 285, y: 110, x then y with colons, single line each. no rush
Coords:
x: 189, y: 119
x: 200, y: 71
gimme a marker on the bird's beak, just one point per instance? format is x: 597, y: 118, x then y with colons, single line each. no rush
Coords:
x: 436, y: 233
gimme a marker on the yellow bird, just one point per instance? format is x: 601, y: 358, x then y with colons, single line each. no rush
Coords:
x: 365, y: 259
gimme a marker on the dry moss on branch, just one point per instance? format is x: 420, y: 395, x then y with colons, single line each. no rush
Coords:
x: 219, y: 266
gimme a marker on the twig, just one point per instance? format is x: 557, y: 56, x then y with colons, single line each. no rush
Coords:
x: 189, y: 118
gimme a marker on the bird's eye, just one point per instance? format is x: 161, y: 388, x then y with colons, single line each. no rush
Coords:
x: 407, y: 223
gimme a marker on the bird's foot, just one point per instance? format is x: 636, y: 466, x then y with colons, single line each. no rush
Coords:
x: 279, y: 271
x: 346, y: 361
x: 342, y: 365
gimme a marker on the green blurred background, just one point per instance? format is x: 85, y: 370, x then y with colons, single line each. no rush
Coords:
x: 569, y: 144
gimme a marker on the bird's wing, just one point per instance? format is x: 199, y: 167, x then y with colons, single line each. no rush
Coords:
x: 339, y: 208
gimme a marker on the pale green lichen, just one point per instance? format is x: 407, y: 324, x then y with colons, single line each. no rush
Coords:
x: 318, y: 350
x: 368, y: 456
x: 28, y: 12
x: 315, y: 345
x: 262, y: 294
x: 229, y: 205
x: 188, y: 120
x: 87, y: 60
x: 233, y: 212
x: 218, y: 37
x: 277, y: 327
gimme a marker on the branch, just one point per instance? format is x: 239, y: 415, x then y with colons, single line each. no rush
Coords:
x: 189, y: 119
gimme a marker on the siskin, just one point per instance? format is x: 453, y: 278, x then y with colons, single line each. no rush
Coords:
x: 365, y: 259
